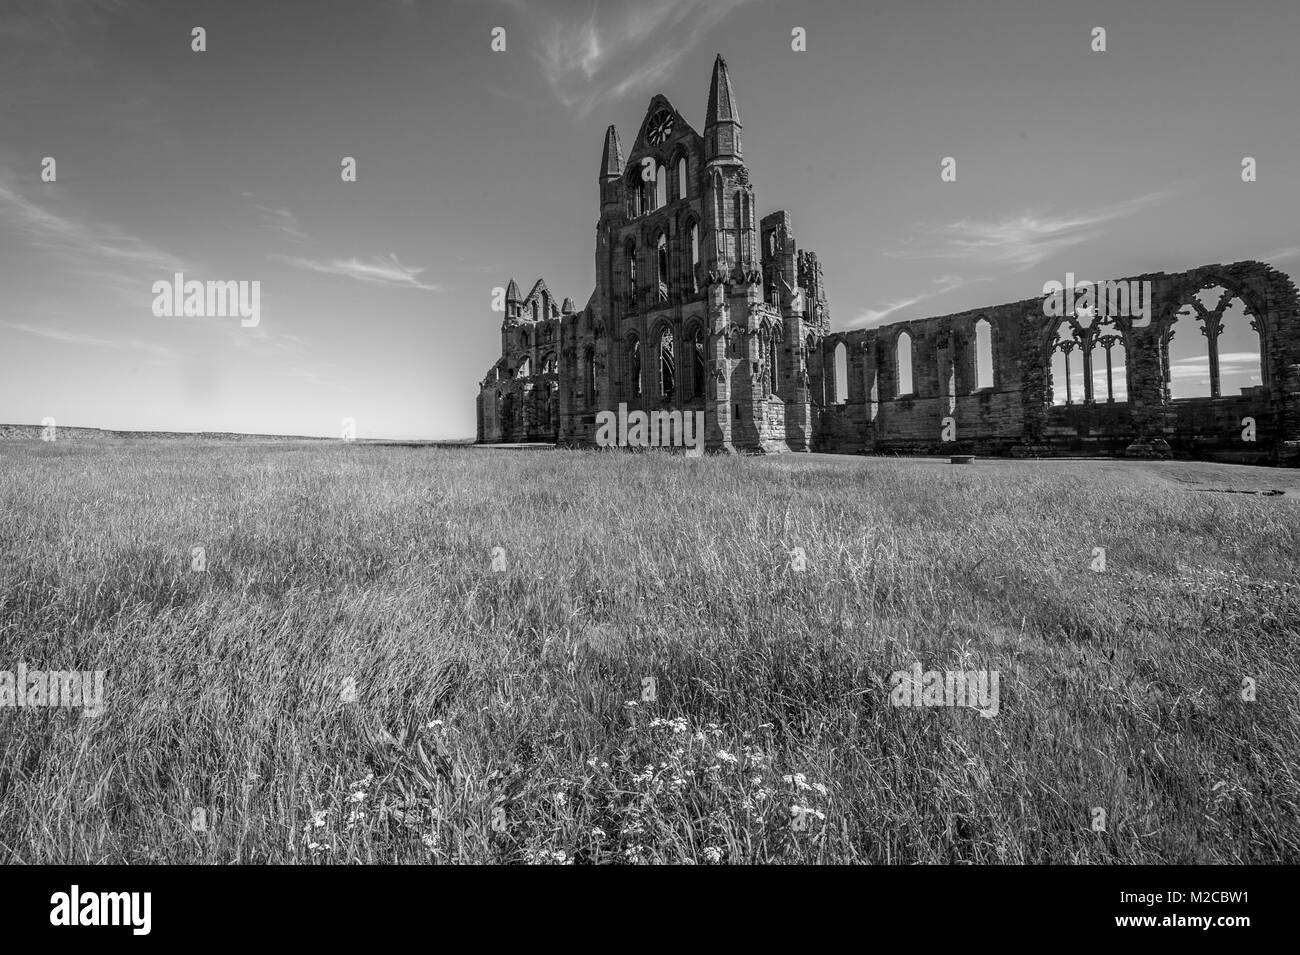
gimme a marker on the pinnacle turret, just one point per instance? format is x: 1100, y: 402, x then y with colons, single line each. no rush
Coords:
x: 722, y: 98
x: 611, y: 160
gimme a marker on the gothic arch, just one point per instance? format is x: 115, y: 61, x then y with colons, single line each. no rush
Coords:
x: 1213, y: 344
x: 695, y: 346
x: 636, y: 193
x: 905, y: 384
x: 629, y: 267
x: 983, y: 372
x: 681, y: 173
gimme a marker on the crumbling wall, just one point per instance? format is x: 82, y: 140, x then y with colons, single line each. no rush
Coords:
x: 944, y: 411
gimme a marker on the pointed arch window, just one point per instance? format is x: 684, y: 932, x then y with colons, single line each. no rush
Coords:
x: 661, y: 266
x: 904, y: 354
x: 630, y: 259
x: 1064, y: 388
x: 1213, y: 348
x: 694, y: 238
x: 667, y: 365
x: 636, y: 194
x: 681, y: 177
x: 773, y: 347
x: 983, y: 354
x: 634, y: 366
x: 1109, y: 366
x: 661, y: 186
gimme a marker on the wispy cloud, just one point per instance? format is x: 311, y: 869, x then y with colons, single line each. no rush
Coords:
x: 944, y: 284
x: 381, y: 271
x: 65, y: 336
x: 1282, y: 254
x: 589, y: 58
x: 100, y: 247
x: 1019, y: 241
x: 276, y: 219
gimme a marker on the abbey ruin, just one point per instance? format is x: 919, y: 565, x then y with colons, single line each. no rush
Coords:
x: 701, y: 306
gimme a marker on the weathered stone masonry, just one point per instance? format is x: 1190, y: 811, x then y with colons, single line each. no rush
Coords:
x: 700, y: 306
x: 1015, y: 414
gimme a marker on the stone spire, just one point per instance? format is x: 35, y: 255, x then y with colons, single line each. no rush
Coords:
x: 611, y: 160
x: 722, y: 98
x: 722, y: 121
x: 512, y: 292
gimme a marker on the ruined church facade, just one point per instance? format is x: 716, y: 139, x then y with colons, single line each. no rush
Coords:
x: 699, y: 305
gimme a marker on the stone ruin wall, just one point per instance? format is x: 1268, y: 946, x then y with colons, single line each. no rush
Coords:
x: 1015, y: 416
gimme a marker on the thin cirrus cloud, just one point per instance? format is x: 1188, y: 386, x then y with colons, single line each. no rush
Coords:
x: 96, y: 248
x: 1020, y: 241
x: 616, y: 49
x: 68, y: 337
x: 381, y: 271
x: 275, y: 219
x: 944, y: 284
x: 1282, y: 254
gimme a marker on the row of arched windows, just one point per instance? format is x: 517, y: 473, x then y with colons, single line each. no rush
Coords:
x: 667, y: 366
x: 646, y: 195
x: 549, y: 366
x: 904, y: 385
x: 662, y: 263
x: 1089, y: 364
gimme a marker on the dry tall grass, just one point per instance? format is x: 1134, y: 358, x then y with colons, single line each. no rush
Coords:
x: 499, y: 716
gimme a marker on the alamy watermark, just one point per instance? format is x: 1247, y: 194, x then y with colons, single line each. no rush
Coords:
x: 654, y: 429
x: 193, y: 299
x: 975, y: 689
x: 1129, y: 298
x: 45, y: 688
x: 75, y: 907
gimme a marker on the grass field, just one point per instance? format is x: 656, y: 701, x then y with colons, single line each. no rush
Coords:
x: 350, y: 680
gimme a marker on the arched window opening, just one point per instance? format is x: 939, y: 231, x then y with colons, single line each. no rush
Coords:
x: 1213, y: 349
x: 525, y: 367
x: 661, y: 186
x: 667, y: 365
x: 534, y: 309
x: 630, y: 255
x: 1067, y: 369
x: 681, y: 178
x: 695, y: 255
x: 549, y: 364
x: 1187, y: 345
x: 1239, y: 350
x: 841, y: 373
x: 983, y: 354
x: 1109, y: 375
x: 904, y: 352
x: 661, y: 266
x: 634, y: 367
x: 636, y: 194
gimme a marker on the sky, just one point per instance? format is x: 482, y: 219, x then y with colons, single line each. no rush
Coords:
x: 474, y: 166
